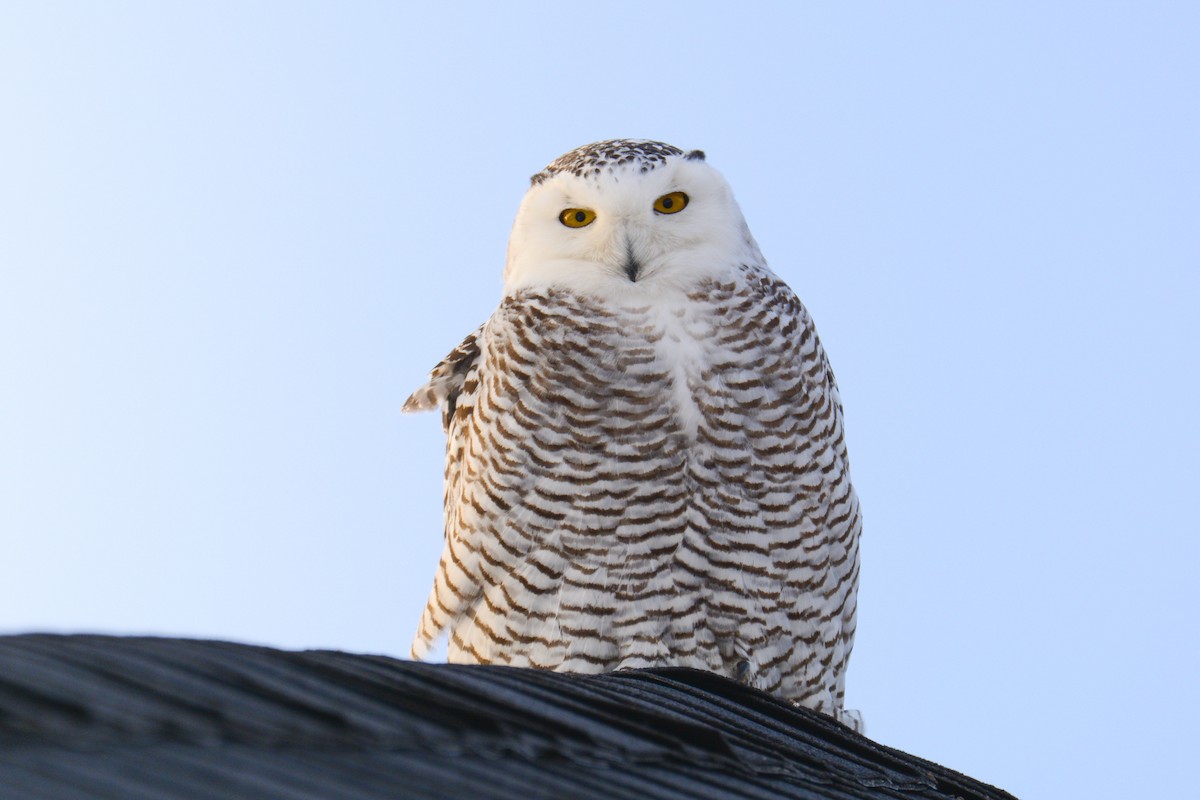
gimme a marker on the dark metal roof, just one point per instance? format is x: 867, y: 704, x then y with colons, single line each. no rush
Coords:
x: 133, y: 718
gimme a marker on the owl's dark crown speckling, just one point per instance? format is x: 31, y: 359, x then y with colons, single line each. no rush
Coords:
x: 610, y: 155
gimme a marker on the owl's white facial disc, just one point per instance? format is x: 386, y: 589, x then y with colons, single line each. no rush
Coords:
x: 629, y: 247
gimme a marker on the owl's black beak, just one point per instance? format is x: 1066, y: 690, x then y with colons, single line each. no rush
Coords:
x: 632, y: 266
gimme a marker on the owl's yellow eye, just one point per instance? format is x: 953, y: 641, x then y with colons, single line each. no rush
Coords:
x: 577, y: 217
x: 671, y: 203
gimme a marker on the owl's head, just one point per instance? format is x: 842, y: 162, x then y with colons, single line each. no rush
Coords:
x: 630, y: 216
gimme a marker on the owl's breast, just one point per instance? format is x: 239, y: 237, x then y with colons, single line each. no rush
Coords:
x: 726, y: 361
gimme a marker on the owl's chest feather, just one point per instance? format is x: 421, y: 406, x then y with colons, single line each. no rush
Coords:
x: 683, y: 348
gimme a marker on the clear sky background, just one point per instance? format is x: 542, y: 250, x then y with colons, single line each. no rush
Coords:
x: 235, y: 236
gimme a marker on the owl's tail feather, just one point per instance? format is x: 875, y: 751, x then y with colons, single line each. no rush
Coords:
x: 435, y: 619
x: 426, y: 635
x: 851, y: 719
x: 420, y: 649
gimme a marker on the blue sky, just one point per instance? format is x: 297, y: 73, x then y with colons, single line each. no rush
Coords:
x: 234, y: 237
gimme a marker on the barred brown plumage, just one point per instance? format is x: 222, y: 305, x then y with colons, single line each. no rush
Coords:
x: 646, y: 463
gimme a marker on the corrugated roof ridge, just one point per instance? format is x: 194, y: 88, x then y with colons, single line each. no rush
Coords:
x: 141, y: 691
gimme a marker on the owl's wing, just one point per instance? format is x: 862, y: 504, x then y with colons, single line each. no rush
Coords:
x: 451, y: 387
x: 446, y: 380
x: 475, y: 387
x: 518, y: 398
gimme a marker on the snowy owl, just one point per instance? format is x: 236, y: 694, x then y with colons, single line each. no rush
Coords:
x: 645, y: 459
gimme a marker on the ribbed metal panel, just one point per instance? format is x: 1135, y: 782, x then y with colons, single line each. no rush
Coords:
x: 130, y: 718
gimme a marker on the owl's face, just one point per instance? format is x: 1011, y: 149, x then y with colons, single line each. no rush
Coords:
x: 628, y: 217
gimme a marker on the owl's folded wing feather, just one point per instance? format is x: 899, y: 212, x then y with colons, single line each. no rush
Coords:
x: 507, y: 395
x: 446, y: 380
